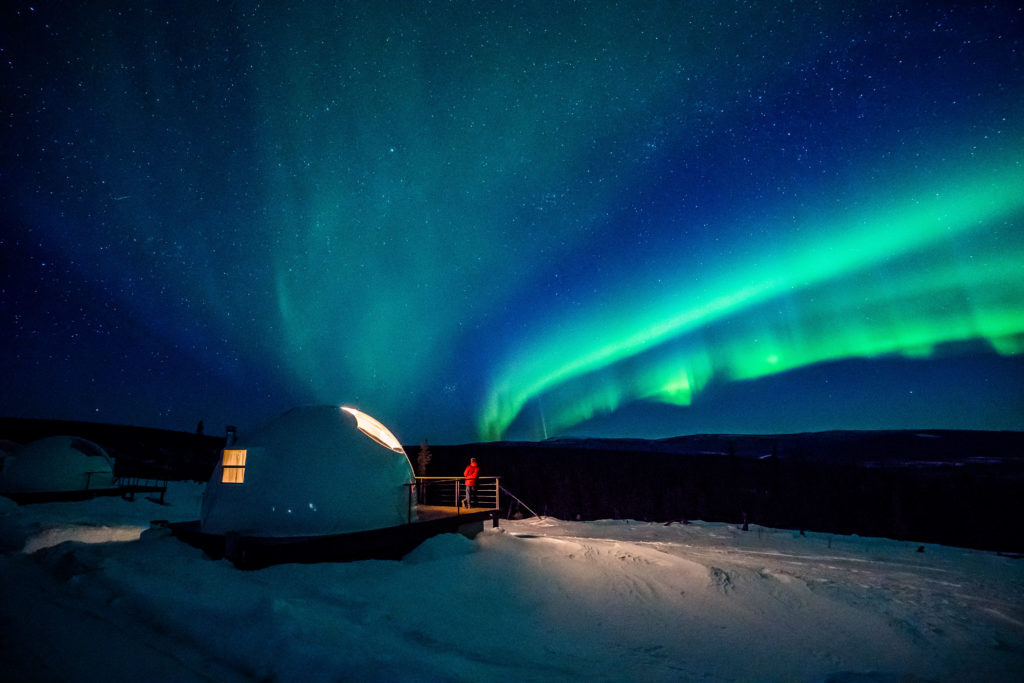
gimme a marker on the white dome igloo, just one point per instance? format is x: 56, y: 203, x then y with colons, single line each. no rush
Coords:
x: 313, y: 471
x: 57, y: 464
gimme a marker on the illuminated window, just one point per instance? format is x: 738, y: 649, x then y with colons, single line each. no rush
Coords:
x: 375, y: 430
x: 234, y: 467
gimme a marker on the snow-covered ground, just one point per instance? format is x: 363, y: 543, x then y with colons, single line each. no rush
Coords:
x: 90, y: 591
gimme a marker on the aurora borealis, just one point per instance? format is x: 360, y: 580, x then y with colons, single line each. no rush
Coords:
x: 516, y: 220
x: 830, y: 314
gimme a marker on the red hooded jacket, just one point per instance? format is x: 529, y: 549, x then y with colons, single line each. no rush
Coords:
x: 471, y: 474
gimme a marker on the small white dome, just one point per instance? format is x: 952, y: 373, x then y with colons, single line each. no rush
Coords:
x: 56, y: 464
x: 314, y: 470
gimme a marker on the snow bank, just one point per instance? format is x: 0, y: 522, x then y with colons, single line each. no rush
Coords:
x: 106, y: 519
x: 82, y: 533
x: 537, y: 599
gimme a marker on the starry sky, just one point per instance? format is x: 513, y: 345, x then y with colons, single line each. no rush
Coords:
x: 516, y: 220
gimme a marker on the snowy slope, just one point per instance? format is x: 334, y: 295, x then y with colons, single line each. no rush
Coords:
x: 538, y: 599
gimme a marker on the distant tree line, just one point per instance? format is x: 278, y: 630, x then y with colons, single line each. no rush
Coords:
x: 959, y: 488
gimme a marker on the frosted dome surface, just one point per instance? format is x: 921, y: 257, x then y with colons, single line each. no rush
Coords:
x: 57, y: 463
x: 308, y: 472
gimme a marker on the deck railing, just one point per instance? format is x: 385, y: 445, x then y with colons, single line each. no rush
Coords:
x: 451, y: 492
x: 131, y: 485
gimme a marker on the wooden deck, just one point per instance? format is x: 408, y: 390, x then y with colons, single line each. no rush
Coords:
x: 126, y: 491
x: 428, y: 512
x: 390, y: 543
x: 443, y: 496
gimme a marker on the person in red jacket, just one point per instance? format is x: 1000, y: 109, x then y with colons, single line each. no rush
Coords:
x: 471, y: 473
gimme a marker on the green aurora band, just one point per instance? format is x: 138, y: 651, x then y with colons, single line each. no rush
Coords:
x: 939, y: 268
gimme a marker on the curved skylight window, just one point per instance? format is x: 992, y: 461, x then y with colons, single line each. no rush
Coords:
x: 375, y: 430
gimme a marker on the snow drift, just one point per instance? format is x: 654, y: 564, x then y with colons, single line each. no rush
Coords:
x: 537, y: 599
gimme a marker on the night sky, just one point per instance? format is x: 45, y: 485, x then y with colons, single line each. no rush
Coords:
x: 483, y: 220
